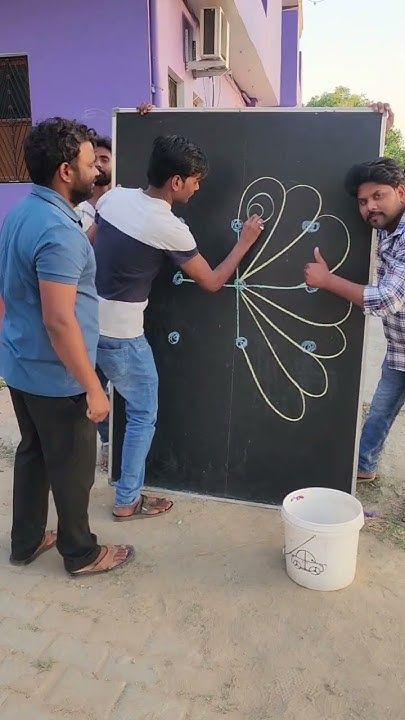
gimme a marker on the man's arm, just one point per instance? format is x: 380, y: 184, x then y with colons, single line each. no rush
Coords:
x: 213, y: 279
x: 60, y: 258
x: 91, y: 233
x: 383, y: 299
x: 354, y: 292
x: 58, y: 312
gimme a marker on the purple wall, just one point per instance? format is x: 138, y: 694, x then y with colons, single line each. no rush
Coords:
x: 289, y: 58
x: 84, y: 59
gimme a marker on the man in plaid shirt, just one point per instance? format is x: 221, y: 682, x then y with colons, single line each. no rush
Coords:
x: 379, y: 187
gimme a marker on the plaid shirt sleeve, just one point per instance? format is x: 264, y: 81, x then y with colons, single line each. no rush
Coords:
x: 388, y: 297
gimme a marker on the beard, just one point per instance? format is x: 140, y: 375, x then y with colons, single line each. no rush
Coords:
x: 103, y: 179
x: 377, y: 219
x: 81, y: 193
x: 383, y: 221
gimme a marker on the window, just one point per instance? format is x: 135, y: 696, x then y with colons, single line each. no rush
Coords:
x: 173, y: 96
x: 176, y: 91
x: 15, y: 117
x: 188, y: 35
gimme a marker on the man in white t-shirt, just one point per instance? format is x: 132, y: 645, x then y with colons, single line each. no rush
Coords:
x: 87, y: 213
x: 87, y: 209
x: 136, y: 229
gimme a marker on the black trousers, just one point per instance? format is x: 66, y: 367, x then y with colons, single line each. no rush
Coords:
x: 58, y: 452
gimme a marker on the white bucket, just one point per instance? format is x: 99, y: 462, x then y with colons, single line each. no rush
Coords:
x: 321, y: 530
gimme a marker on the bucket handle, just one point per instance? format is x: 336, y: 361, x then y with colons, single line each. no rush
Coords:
x: 298, y: 546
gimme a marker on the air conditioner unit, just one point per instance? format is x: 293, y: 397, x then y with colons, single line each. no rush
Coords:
x: 214, y: 29
x: 214, y: 44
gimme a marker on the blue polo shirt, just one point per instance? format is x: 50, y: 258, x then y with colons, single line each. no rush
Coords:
x: 42, y: 239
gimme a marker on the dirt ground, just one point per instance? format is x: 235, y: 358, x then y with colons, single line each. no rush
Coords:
x: 384, y: 499
x: 204, y: 624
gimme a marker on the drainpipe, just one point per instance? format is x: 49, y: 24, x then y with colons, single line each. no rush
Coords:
x: 156, y: 84
x: 250, y: 101
x: 247, y: 99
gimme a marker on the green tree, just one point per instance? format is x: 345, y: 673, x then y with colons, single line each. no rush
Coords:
x: 395, y: 146
x: 342, y: 97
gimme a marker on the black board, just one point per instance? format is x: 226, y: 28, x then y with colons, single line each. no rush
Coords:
x: 220, y: 431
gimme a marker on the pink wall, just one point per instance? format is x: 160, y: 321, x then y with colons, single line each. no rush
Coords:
x: 169, y: 50
x: 264, y: 29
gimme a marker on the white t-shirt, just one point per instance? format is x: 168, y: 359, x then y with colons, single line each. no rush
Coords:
x: 134, y: 233
x: 86, y: 213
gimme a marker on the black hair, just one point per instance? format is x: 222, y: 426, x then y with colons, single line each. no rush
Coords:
x: 384, y: 171
x: 103, y: 142
x: 175, y: 155
x: 51, y: 143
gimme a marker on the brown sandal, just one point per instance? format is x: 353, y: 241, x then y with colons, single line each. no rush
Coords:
x: 106, y: 560
x: 47, y: 543
x: 141, y: 509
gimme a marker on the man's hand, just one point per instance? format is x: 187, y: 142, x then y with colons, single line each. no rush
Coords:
x: 317, y: 274
x: 251, y: 230
x: 145, y: 108
x: 98, y: 405
x: 199, y: 270
x: 91, y: 234
x: 385, y: 108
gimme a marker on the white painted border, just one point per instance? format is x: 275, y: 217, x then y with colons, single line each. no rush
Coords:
x: 252, y: 110
x: 198, y: 496
x: 110, y: 434
x: 114, y: 149
x: 113, y: 183
x: 116, y: 111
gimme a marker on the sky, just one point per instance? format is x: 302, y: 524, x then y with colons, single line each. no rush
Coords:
x: 359, y: 44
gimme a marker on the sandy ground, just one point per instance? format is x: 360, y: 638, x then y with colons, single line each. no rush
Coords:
x: 204, y: 624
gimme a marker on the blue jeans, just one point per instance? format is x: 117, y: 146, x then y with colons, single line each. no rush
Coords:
x: 103, y: 427
x: 130, y: 367
x: 385, y: 406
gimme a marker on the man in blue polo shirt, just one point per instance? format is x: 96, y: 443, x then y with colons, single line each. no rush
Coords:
x: 50, y: 334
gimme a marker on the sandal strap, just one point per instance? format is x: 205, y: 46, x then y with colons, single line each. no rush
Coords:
x: 157, y: 503
x: 112, y: 550
x: 108, y: 549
